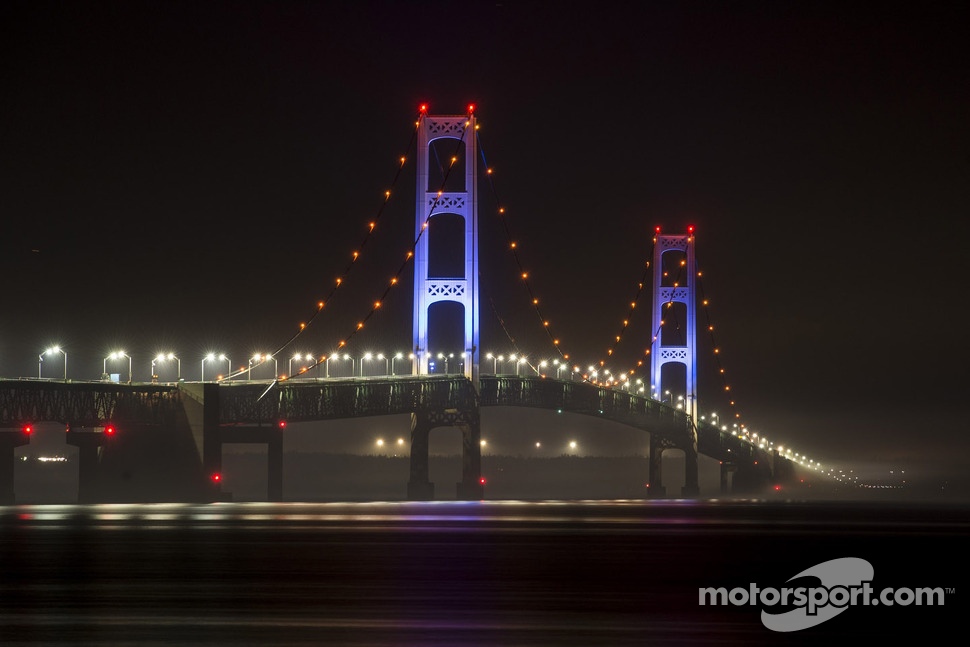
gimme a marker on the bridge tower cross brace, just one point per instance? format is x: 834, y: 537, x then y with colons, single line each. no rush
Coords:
x: 429, y: 290
x: 682, y: 291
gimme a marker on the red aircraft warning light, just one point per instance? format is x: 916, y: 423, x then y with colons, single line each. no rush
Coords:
x: 481, y: 480
x: 281, y: 424
x: 27, y: 429
x: 109, y: 429
x: 216, y: 477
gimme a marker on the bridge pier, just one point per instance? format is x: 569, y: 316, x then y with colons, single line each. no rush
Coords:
x: 655, y: 476
x: 419, y: 487
x: 470, y: 488
x: 657, y: 490
x: 726, y: 469
x: 89, y: 444
x: 215, y: 435
x: 691, y: 487
x: 9, y: 440
x: 751, y: 477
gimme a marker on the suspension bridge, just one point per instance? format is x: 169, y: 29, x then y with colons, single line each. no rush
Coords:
x: 189, y: 422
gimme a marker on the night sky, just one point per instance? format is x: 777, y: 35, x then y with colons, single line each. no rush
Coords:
x: 193, y: 177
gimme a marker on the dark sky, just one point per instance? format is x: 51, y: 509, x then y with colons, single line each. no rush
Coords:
x: 194, y: 176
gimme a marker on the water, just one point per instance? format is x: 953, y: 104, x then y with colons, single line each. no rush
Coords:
x: 457, y: 573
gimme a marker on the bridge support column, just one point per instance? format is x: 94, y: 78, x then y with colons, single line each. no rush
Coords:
x: 655, y: 477
x: 471, y: 487
x: 89, y: 444
x: 726, y: 468
x: 212, y: 442
x: 751, y: 477
x: 274, y: 468
x: 272, y: 437
x: 419, y: 487
x: 8, y: 441
x: 691, y: 487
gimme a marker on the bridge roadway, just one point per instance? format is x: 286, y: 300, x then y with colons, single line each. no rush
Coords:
x: 188, y: 422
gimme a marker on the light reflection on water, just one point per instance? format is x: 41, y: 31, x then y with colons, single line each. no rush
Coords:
x: 441, y: 573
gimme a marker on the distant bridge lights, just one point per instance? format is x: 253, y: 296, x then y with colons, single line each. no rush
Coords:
x: 51, y: 351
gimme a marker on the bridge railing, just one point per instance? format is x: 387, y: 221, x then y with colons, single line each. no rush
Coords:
x: 86, y: 404
x: 586, y: 399
x: 329, y: 399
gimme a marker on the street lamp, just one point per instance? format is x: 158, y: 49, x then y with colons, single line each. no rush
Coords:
x: 366, y: 356
x: 381, y: 356
x: 396, y: 356
x: 51, y: 351
x: 298, y: 357
x: 258, y: 359
x: 212, y: 357
x: 161, y: 358
x: 560, y: 366
x: 493, y: 358
x: 522, y: 360
x: 119, y: 354
x: 337, y: 356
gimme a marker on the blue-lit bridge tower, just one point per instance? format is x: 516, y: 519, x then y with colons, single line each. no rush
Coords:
x: 675, y: 324
x: 432, y: 202
x: 430, y: 289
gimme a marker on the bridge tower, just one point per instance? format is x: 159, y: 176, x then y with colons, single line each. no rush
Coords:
x: 671, y: 286
x: 431, y: 202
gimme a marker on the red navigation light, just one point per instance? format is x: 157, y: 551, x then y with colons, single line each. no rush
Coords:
x: 281, y: 424
x: 216, y: 477
x: 28, y: 429
x: 109, y: 430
